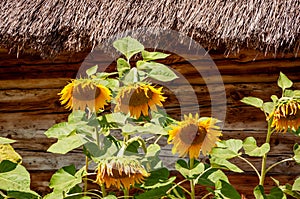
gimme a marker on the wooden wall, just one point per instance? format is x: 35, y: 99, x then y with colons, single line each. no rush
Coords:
x: 29, y: 105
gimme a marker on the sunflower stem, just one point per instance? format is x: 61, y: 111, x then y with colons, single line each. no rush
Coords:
x: 86, y: 177
x: 126, y: 193
x: 103, y: 190
x: 192, y: 181
x: 264, y: 158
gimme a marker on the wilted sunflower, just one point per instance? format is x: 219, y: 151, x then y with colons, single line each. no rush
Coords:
x: 136, y: 99
x: 82, y: 93
x: 120, y: 172
x: 193, y: 135
x: 286, y: 115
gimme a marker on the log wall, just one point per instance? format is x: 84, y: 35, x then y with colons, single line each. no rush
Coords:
x: 29, y: 105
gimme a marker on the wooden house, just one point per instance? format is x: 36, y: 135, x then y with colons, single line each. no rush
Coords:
x: 43, y: 44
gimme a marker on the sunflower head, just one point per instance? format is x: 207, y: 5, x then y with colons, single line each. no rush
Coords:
x: 120, y: 172
x: 138, y: 98
x: 82, y: 93
x: 286, y: 116
x: 193, y: 135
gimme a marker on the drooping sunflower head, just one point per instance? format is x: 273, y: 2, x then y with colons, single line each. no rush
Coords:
x: 286, y: 116
x: 82, y: 93
x: 120, y: 172
x: 193, y: 135
x: 138, y: 98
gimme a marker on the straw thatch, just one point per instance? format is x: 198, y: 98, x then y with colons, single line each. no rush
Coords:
x: 52, y: 26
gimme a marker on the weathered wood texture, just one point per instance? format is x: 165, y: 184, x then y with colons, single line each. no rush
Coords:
x: 29, y: 105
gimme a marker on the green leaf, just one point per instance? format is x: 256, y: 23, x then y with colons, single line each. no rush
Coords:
x: 7, y: 152
x: 224, y: 164
x: 227, y: 149
x: 6, y: 140
x: 6, y: 166
x: 17, y: 179
x: 296, y: 185
x: 122, y: 66
x: 268, y: 107
x: 276, y: 193
x: 76, y: 116
x: 218, y: 175
x: 284, y: 82
x: 128, y: 46
x: 227, y: 190
x: 156, y: 193
x: 54, y: 195
x: 162, y: 73
x: 66, y: 144
x: 288, y: 93
x: 110, y: 197
x: 252, y: 149
x: 259, y: 192
x: 253, y: 101
x: 92, y: 71
x: 147, y: 128
x: 130, y: 77
x: 64, y: 179
x: 23, y: 195
x: 117, y: 118
x: 158, y: 178
x: 107, y: 149
x: 181, y: 166
x: 296, y: 150
x: 148, y: 56
x: 274, y: 98
x: 287, y: 189
x: 60, y: 130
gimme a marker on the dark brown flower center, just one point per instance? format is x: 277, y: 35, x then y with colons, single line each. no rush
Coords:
x: 192, y: 134
x: 87, y: 92
x: 138, y: 97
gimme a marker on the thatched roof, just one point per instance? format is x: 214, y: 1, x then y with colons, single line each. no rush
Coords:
x: 51, y: 26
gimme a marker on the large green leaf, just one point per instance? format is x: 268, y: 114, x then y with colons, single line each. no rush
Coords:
x: 92, y: 70
x: 66, y: 144
x: 7, y: 152
x: 227, y: 149
x: 130, y: 77
x: 268, y: 107
x: 156, y: 193
x: 64, y: 179
x: 6, y: 140
x: 284, y: 82
x: 158, y: 178
x: 148, y: 56
x: 252, y: 149
x: 259, y: 192
x: 23, y: 195
x: 253, y: 101
x: 162, y: 73
x: 276, y: 193
x: 227, y: 190
x: 151, y: 161
x: 60, y: 130
x: 296, y: 150
x: 6, y: 166
x: 122, y: 66
x: 54, y: 195
x: 110, y: 197
x: 128, y: 46
x: 106, y: 149
x: 296, y: 185
x: 17, y: 179
x: 218, y: 175
x: 76, y: 116
x: 181, y: 166
x: 147, y: 128
x: 224, y: 164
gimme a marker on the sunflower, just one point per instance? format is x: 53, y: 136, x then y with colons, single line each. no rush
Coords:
x: 286, y: 115
x: 193, y: 135
x: 120, y: 172
x: 82, y: 93
x: 136, y: 99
